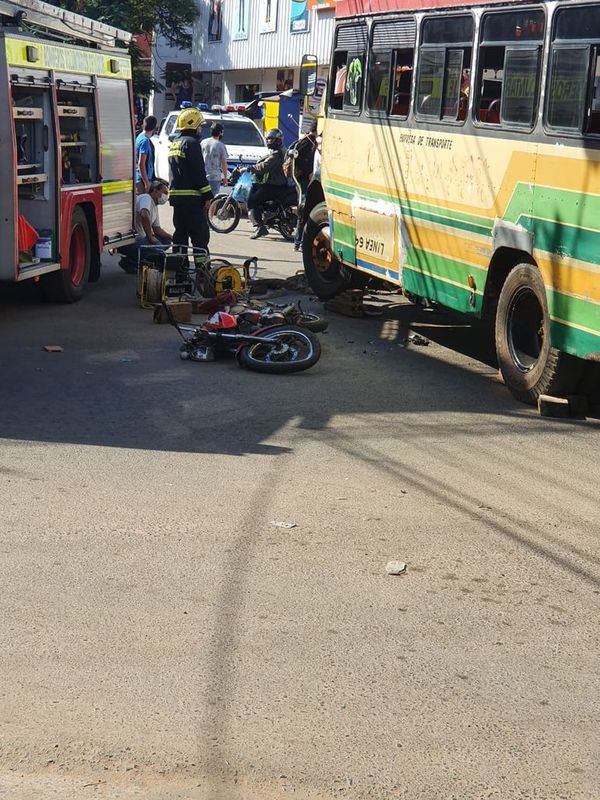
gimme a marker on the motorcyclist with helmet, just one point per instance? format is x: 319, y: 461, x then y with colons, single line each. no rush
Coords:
x: 190, y: 190
x: 270, y: 182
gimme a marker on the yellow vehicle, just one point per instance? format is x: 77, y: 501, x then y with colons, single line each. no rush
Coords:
x: 461, y: 161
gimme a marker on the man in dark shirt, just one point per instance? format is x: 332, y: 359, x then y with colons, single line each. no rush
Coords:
x: 189, y: 191
x: 270, y: 182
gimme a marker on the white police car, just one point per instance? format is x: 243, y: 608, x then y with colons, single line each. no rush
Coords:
x: 243, y: 139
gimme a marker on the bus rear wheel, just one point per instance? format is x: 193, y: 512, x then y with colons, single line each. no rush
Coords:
x: 529, y: 364
x: 324, y: 272
x: 67, y: 285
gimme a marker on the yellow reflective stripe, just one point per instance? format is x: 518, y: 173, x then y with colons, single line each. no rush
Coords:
x: 65, y: 58
x: 189, y: 192
x: 115, y: 187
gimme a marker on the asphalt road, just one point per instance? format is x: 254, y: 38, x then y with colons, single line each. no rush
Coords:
x: 161, y: 639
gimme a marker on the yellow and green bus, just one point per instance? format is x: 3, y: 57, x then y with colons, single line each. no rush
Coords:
x: 461, y: 161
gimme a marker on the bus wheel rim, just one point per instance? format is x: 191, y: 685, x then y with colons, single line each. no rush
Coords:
x: 321, y: 251
x: 78, y: 254
x: 525, y: 329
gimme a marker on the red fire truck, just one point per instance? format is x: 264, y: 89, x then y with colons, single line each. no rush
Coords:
x: 66, y: 146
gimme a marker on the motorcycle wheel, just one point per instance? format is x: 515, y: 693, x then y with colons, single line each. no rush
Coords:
x: 294, y: 349
x: 224, y: 214
x: 312, y: 322
x: 287, y: 225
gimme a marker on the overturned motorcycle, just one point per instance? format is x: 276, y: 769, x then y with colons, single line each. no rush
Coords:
x: 271, y: 347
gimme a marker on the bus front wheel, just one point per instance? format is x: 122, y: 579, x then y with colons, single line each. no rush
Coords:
x: 67, y: 285
x: 324, y: 272
x: 529, y: 364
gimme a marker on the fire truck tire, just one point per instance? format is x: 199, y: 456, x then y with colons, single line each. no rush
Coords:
x: 529, y: 364
x: 326, y: 275
x: 68, y: 285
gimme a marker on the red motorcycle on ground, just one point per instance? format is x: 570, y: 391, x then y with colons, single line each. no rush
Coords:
x: 256, y: 340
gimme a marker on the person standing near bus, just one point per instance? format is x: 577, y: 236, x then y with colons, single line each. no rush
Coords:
x: 300, y: 164
x: 190, y: 190
x: 215, y: 158
x: 144, y: 156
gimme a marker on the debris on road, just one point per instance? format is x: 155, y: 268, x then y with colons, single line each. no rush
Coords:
x: 348, y: 303
x: 284, y: 525
x: 53, y: 348
x: 395, y: 568
x: 416, y: 338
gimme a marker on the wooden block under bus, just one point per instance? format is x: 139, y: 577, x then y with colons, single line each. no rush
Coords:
x: 549, y: 406
x: 182, y: 312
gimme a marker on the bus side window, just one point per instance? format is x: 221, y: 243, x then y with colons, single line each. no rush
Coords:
x: 403, y: 71
x: 593, y: 116
x: 444, y: 68
x: 569, y: 68
x: 509, y: 66
x: 339, y: 70
x: 378, y: 92
x: 353, y: 88
x: 573, y: 92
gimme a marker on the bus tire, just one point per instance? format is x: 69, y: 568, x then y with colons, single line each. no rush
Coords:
x: 529, y: 364
x: 67, y: 285
x: 324, y: 272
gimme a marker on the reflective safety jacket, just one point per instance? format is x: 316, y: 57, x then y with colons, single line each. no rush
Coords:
x: 189, y: 184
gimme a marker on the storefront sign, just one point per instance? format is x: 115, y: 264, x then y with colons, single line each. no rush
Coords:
x: 299, y: 17
x: 268, y: 16
x: 240, y: 20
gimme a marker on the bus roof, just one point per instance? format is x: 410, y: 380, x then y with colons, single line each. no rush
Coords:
x: 352, y: 8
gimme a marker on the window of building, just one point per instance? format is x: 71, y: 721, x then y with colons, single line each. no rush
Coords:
x: 246, y: 92
x: 444, y: 68
x: 509, y: 65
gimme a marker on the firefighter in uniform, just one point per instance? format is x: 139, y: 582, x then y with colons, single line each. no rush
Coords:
x: 189, y: 191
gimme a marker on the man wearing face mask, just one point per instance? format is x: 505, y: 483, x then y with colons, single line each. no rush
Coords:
x: 147, y: 225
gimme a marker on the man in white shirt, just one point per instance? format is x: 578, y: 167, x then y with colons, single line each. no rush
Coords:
x: 215, y: 158
x: 147, y: 225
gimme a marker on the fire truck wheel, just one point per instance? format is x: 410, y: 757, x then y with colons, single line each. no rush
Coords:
x: 67, y: 285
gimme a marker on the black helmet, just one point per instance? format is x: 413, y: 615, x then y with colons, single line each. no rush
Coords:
x: 274, y: 138
x: 216, y: 129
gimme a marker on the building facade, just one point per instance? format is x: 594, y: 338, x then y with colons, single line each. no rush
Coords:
x: 257, y: 45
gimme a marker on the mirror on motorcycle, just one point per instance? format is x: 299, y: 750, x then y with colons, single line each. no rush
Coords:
x: 308, y: 75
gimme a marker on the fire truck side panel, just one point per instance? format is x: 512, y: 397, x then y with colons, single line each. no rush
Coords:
x: 117, y: 158
x: 36, y: 141
x: 8, y: 195
x: 80, y: 159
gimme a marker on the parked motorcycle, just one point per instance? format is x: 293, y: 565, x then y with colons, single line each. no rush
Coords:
x: 224, y: 212
x: 273, y: 348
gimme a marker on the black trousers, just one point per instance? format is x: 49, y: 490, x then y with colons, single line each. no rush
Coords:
x: 259, y: 195
x: 191, y: 224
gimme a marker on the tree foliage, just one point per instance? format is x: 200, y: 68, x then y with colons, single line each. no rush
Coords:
x: 169, y: 18
x: 172, y: 19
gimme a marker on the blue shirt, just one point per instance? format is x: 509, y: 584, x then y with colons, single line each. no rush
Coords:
x: 143, y: 146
